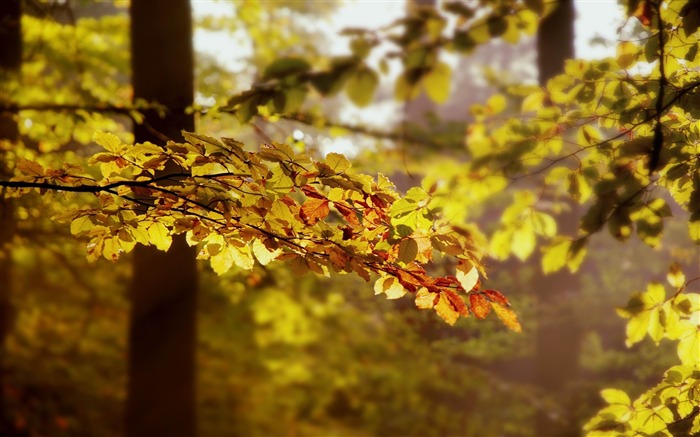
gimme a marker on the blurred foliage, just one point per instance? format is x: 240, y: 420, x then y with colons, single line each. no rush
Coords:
x: 323, y: 356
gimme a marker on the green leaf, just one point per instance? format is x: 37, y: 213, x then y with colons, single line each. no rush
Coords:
x: 286, y: 67
x: 361, y: 86
x: 437, y: 83
x: 408, y: 250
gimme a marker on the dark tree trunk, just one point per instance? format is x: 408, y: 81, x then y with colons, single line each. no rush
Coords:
x: 10, y: 63
x: 558, y: 336
x: 162, y: 330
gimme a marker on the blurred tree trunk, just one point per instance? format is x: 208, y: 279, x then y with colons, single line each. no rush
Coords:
x: 10, y: 63
x: 163, y: 293
x: 558, y: 336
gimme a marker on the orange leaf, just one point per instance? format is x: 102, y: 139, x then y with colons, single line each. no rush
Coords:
x: 314, y: 209
x: 507, y: 316
x: 445, y: 310
x: 643, y: 13
x: 348, y: 213
x: 480, y: 306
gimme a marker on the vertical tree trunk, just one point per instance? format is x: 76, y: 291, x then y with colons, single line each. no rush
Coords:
x: 558, y: 337
x: 162, y: 331
x: 10, y: 63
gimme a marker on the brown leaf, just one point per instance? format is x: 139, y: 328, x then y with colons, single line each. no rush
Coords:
x: 30, y: 168
x: 496, y: 296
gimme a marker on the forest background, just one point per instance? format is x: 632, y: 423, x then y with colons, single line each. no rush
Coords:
x: 483, y: 138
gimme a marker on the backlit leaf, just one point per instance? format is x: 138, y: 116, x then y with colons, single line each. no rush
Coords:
x: 445, y: 310
x: 507, y: 316
x: 437, y: 83
x: 361, y: 86
x: 159, y: 236
x: 314, y: 210
x: 390, y: 286
x: 467, y: 274
x: 479, y: 305
x: 425, y: 299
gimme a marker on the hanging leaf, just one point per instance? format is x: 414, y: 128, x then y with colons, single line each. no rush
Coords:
x: 361, y: 86
x: 507, y: 316
x: 437, y: 83
x: 479, y: 305
x: 467, y: 274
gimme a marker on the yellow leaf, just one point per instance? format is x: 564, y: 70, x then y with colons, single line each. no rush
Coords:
x: 626, y: 54
x: 614, y: 396
x: 390, y: 286
x: 496, y: 104
x: 675, y: 275
x: 108, y: 141
x: 637, y: 328
x: 437, y: 83
x: 425, y: 299
x: 656, y: 324
x: 445, y: 310
x: 263, y: 254
x: 523, y: 242
x: 337, y: 162
x: 555, y: 255
x: 507, y: 316
x: 159, y: 236
x: 544, y: 224
x: 222, y: 261
x: 467, y: 274
x: 81, y: 225
x: 242, y: 256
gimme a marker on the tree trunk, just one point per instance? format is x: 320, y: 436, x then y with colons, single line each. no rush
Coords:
x: 163, y: 293
x: 10, y: 63
x: 558, y: 337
